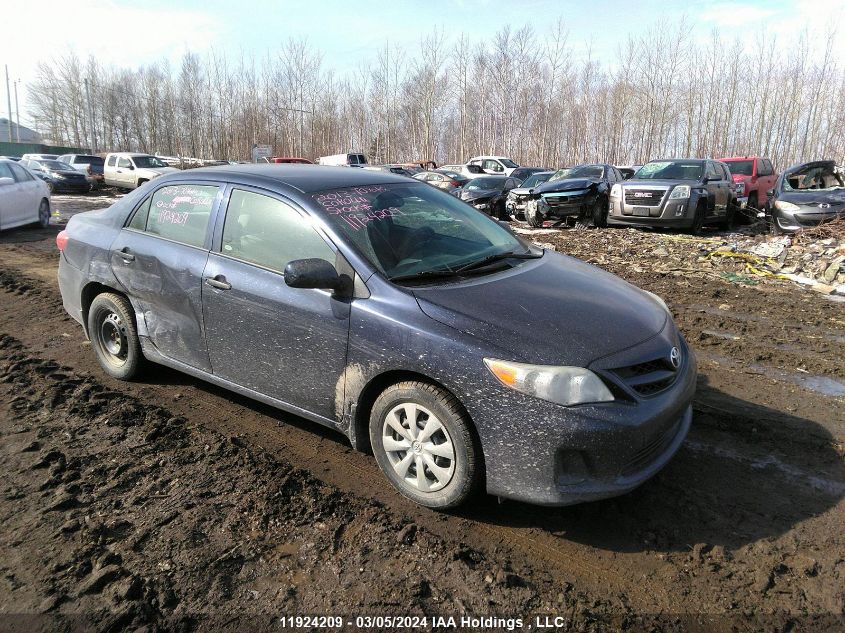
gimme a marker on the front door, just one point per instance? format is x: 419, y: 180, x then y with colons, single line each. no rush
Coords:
x: 124, y: 175
x: 283, y: 342
x: 159, y: 258
x: 11, y: 199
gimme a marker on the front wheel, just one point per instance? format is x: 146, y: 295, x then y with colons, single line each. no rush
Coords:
x: 600, y: 213
x: 423, y: 442
x: 114, y: 336
x: 698, y: 218
x: 532, y: 214
x: 730, y: 217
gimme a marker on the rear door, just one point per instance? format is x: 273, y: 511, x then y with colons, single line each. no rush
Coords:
x: 159, y: 258
x: 10, y: 198
x: 283, y: 342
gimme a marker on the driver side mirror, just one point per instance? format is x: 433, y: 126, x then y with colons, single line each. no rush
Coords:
x: 6, y: 181
x: 132, y: 167
x: 316, y: 274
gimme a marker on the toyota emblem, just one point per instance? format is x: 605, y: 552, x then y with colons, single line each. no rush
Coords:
x: 675, y: 357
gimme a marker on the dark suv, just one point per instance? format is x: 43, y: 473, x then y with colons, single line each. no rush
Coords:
x: 682, y: 193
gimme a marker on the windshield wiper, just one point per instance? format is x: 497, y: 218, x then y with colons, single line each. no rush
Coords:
x: 495, y: 258
x: 425, y: 274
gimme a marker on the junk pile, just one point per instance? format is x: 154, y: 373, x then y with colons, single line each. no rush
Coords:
x: 814, y: 258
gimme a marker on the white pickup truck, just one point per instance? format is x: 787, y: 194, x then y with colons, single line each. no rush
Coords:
x: 130, y: 170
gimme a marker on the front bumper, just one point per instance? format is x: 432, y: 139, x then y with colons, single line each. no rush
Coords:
x: 805, y: 217
x: 565, y: 455
x: 678, y: 213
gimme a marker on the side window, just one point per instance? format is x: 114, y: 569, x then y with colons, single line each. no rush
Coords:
x: 611, y: 174
x: 725, y: 173
x: 177, y: 212
x: 493, y: 165
x: 265, y: 231
x: 764, y: 168
x: 21, y: 174
x: 5, y: 171
x: 711, y: 171
x: 111, y: 161
x: 124, y: 162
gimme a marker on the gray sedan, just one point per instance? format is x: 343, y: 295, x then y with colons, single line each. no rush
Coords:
x: 426, y: 332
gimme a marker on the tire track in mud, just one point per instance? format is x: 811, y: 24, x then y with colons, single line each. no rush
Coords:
x: 153, y: 521
x: 577, y: 546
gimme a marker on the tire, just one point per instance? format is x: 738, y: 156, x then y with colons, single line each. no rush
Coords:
x: 774, y: 227
x: 114, y: 336
x: 698, y: 218
x: 730, y: 217
x: 532, y: 215
x: 600, y: 211
x: 752, y: 201
x: 499, y: 212
x: 44, y: 214
x: 452, y: 473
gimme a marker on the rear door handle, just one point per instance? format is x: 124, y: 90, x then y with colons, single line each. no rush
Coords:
x: 125, y: 255
x: 218, y: 282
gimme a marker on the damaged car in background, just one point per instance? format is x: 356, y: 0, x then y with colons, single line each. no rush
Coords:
x: 581, y: 193
x: 807, y: 195
x: 461, y: 356
x: 515, y: 202
x: 488, y: 194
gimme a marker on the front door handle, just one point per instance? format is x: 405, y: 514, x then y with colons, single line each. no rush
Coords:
x: 125, y: 255
x: 218, y: 282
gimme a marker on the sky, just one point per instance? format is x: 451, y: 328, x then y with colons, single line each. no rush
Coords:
x: 350, y: 32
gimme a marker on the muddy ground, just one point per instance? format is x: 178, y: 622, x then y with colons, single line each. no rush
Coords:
x: 169, y: 504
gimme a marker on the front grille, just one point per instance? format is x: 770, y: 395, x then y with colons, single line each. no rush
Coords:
x: 644, y: 197
x: 648, y: 378
x: 650, y: 451
x: 556, y: 202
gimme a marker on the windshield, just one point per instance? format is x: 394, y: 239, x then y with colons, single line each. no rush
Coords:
x: 536, y: 179
x: 488, y: 182
x: 55, y: 165
x: 670, y: 170
x: 740, y: 167
x: 579, y: 171
x: 405, y: 229
x: 145, y: 162
x: 816, y: 178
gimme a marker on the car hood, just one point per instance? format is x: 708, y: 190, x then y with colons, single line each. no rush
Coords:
x: 555, y: 310
x: 814, y: 197
x: 157, y: 171
x: 566, y: 184
x: 659, y: 183
x: 477, y: 194
x: 520, y: 191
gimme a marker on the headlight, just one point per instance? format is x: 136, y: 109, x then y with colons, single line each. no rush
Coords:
x: 616, y: 191
x: 659, y: 300
x: 480, y: 205
x: 561, y: 385
x: 783, y: 205
x: 680, y: 192
x: 58, y: 176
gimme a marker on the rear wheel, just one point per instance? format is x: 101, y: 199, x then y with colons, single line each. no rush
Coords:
x: 114, y: 336
x: 423, y: 442
x: 44, y: 214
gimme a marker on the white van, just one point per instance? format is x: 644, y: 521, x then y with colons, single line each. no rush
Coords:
x: 130, y: 170
x: 496, y: 165
x: 343, y: 160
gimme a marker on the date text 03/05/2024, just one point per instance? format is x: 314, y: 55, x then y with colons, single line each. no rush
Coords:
x: 543, y: 622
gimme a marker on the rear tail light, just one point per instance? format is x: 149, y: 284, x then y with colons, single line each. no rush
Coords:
x: 61, y: 240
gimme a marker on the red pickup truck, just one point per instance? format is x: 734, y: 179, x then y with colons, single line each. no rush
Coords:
x: 758, y: 176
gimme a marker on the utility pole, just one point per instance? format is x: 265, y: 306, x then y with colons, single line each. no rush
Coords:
x: 9, y: 102
x: 91, y: 117
x: 17, y: 114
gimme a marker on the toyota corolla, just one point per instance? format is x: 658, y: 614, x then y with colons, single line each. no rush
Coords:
x: 462, y: 356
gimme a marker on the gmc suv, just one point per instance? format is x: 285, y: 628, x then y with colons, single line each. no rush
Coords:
x: 683, y: 193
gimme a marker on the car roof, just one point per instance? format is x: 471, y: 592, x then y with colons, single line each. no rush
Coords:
x: 304, y: 178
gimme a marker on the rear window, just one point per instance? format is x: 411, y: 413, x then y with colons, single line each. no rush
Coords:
x: 178, y: 212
